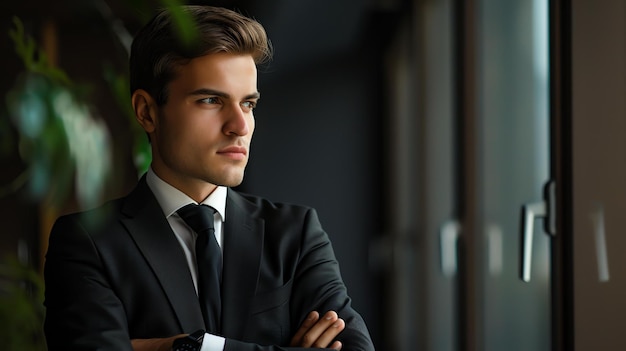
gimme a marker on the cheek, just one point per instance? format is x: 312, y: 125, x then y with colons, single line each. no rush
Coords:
x: 251, y: 124
x: 170, y: 129
x: 176, y: 132
x: 182, y: 123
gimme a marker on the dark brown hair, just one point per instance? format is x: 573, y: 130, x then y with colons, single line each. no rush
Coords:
x: 158, y: 50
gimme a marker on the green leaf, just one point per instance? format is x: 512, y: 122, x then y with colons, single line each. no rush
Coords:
x: 21, y: 307
x: 35, y: 60
x: 183, y: 22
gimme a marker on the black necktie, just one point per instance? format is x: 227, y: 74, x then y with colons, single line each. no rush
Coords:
x: 209, y: 260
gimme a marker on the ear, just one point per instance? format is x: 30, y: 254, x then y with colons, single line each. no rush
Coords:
x: 145, y: 110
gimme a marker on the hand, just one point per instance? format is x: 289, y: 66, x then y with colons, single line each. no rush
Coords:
x: 316, y: 332
x: 157, y: 344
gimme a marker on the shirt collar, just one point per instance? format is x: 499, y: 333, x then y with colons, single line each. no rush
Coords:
x: 171, y: 199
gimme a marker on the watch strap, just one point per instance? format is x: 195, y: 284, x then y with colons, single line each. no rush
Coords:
x: 191, y: 342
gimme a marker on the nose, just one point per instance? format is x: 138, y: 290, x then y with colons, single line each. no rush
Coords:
x: 237, y: 121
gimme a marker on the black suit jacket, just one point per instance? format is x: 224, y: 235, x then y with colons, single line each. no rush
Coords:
x: 117, y: 273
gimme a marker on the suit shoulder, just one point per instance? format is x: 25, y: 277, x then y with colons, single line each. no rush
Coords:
x: 262, y: 205
x: 94, y: 218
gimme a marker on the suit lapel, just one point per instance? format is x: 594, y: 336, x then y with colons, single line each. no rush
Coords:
x: 243, y: 245
x: 156, y: 241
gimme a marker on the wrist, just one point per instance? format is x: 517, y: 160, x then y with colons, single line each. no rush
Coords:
x: 191, y: 342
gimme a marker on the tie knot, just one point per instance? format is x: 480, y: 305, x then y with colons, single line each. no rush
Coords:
x: 199, y: 217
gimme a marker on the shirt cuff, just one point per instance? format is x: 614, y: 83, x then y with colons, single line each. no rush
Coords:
x: 212, y: 343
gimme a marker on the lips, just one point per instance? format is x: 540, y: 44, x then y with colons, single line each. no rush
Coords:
x: 234, y: 152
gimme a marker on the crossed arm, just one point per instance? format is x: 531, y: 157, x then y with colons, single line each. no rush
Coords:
x: 84, y: 310
x: 314, y: 332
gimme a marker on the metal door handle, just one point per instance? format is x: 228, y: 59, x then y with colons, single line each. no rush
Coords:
x: 529, y: 213
x: 449, y: 235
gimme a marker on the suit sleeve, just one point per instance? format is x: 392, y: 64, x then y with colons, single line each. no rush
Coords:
x: 82, y: 311
x: 318, y: 286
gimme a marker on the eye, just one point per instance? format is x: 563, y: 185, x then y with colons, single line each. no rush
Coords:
x: 248, y: 105
x: 210, y: 100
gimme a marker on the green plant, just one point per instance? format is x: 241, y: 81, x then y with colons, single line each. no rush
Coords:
x: 64, y: 145
x: 65, y: 149
x: 21, y: 307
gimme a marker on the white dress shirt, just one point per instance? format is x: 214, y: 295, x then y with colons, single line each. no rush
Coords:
x: 171, y: 200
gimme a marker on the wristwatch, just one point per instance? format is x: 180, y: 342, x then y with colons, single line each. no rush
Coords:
x: 191, y: 342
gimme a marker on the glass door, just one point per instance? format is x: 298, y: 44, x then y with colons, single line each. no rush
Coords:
x: 469, y: 117
x: 512, y: 166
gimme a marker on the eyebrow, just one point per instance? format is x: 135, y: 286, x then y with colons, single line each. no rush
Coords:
x: 205, y: 91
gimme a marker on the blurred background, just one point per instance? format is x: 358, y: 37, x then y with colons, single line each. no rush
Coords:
x: 465, y: 156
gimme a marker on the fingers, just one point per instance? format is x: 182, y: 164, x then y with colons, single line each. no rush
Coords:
x: 336, y: 345
x: 310, y: 321
x: 156, y: 344
x: 323, y: 332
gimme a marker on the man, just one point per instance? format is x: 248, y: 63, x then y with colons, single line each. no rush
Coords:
x: 131, y: 275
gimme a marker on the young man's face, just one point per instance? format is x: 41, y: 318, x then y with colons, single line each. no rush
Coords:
x: 202, y: 134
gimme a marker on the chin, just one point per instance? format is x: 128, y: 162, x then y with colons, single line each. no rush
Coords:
x: 232, y: 181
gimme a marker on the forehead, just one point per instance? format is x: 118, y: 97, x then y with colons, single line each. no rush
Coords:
x: 218, y: 71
